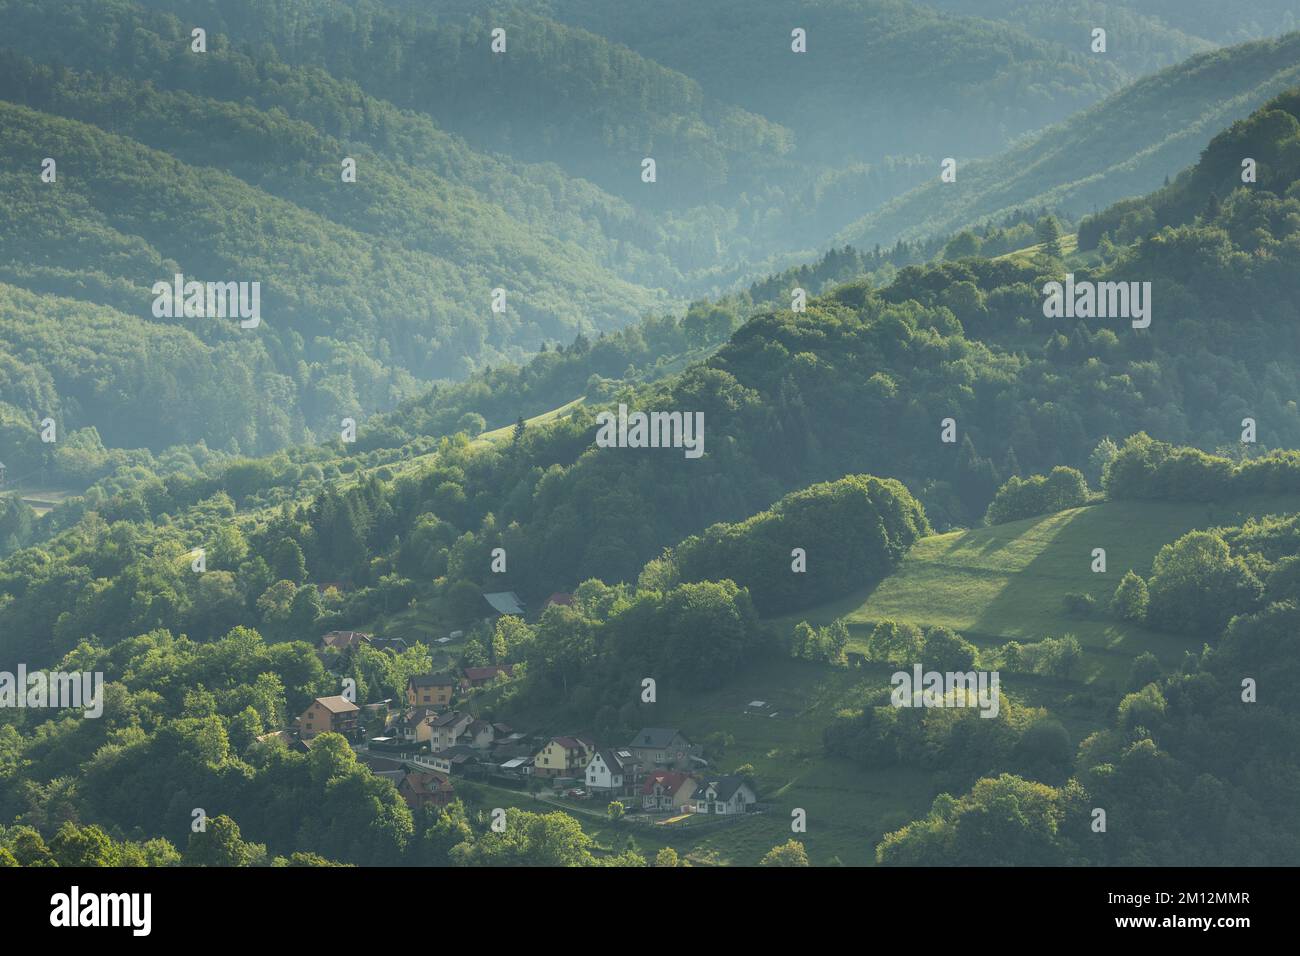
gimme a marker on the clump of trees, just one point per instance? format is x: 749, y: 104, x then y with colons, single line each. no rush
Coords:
x: 1197, y: 585
x: 1038, y: 495
x: 1130, y: 600
x: 902, y: 644
x: 852, y: 533
x: 957, y: 743
x: 825, y: 644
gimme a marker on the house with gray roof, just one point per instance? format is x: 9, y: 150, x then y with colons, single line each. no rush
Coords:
x: 723, y: 796
x: 664, y: 748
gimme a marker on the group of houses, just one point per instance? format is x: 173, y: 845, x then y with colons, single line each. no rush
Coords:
x: 431, y: 737
x: 664, y: 769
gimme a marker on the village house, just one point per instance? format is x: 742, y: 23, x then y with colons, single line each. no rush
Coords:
x: 505, y: 603
x: 386, y: 767
x: 343, y: 640
x: 515, y: 748
x: 430, y: 690
x: 562, y: 598
x: 667, y: 790
x: 457, y: 760
x: 404, y: 724
x: 421, y: 787
x: 326, y: 715
x: 723, y: 795
x: 563, y: 757
x: 611, y: 771
x: 472, y: 677
x: 519, y: 766
x: 479, y: 734
x: 664, y: 748
x: 442, y: 730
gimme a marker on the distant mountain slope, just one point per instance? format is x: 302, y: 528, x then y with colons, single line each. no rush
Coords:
x: 558, y: 93
x: 1225, y: 22
x: 1270, y: 137
x: 81, y: 364
x: 407, y: 202
x: 1138, y: 42
x: 356, y: 318
x: 880, y: 78
x: 1142, y: 35
x: 1123, y: 146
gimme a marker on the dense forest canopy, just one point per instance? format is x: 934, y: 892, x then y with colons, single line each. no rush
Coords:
x: 866, y: 346
x: 475, y: 173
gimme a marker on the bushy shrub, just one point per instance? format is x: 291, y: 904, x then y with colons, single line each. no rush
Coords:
x: 1038, y: 495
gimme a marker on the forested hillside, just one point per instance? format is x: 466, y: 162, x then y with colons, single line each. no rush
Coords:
x: 475, y: 171
x: 860, y: 382
x: 903, y: 455
x: 1124, y: 146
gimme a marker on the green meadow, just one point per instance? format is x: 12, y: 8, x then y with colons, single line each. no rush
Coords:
x: 848, y: 808
x: 1009, y: 582
x: 993, y: 585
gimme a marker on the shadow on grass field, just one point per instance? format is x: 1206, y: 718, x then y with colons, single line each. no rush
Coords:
x: 996, y: 584
x: 1010, y: 582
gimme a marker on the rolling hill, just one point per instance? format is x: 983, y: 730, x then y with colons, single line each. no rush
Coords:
x: 1125, y: 145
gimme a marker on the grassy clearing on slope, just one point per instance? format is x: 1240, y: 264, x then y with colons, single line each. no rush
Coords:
x: 505, y: 431
x: 849, y: 808
x: 42, y: 500
x: 1009, y: 582
x: 1069, y: 249
x: 991, y: 584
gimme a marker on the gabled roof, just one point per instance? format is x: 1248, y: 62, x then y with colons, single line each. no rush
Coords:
x: 505, y: 602
x: 410, y: 716
x: 611, y: 759
x: 560, y: 597
x: 573, y: 743
x: 338, y: 705
x: 343, y: 639
x: 444, y: 720
x: 670, y: 780
x: 432, y: 680
x: 723, y: 787
x: 422, y: 782
x: 656, y: 737
x: 377, y: 764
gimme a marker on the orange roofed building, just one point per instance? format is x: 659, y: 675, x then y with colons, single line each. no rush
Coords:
x: 328, y: 715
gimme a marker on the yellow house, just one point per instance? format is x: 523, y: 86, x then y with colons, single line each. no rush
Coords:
x: 564, y: 757
x: 430, y: 690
